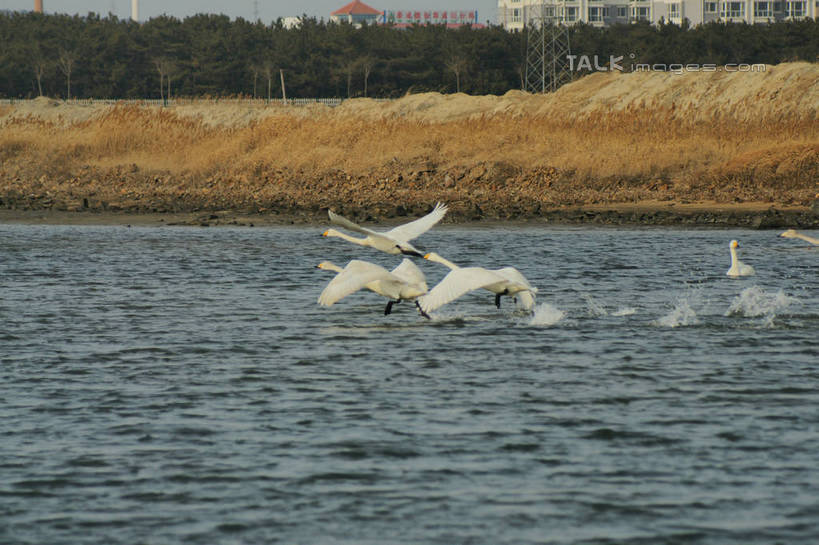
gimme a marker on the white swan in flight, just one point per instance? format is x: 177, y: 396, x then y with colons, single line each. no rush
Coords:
x: 792, y: 233
x: 394, y: 241
x: 403, y: 283
x: 738, y: 268
x: 460, y: 280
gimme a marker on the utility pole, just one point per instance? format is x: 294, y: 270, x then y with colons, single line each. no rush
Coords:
x: 547, y: 51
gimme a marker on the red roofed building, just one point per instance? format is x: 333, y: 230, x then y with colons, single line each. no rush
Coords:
x: 356, y: 12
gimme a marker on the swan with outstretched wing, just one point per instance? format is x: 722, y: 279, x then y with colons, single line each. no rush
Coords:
x: 394, y: 241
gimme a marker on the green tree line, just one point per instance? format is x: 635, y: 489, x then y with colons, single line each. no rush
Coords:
x: 212, y: 55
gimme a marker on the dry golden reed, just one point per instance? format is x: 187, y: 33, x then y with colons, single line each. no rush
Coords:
x: 302, y: 157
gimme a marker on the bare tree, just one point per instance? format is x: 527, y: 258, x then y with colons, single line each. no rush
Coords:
x: 457, y: 65
x: 171, y: 71
x: 39, y: 66
x: 165, y: 67
x: 66, y: 62
x: 268, y: 70
x: 366, y: 64
x: 255, y: 69
x: 349, y: 70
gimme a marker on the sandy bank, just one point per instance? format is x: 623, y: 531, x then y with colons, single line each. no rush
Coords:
x: 601, y: 144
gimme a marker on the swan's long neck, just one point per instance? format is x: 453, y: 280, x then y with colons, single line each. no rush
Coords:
x: 807, y: 238
x: 332, y: 267
x: 348, y: 238
x: 734, y: 258
x: 444, y: 261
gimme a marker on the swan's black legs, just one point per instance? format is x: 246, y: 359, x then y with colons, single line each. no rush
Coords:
x: 424, y: 314
x: 389, y: 308
x: 498, y: 296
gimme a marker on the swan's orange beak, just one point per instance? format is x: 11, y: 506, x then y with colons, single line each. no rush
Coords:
x: 325, y: 233
x: 427, y: 255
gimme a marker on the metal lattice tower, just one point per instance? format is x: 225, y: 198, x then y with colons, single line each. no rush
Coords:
x: 547, y: 51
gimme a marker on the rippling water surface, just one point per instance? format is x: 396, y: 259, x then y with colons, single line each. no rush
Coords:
x: 181, y: 385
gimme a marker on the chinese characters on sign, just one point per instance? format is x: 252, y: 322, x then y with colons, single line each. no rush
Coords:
x: 433, y: 17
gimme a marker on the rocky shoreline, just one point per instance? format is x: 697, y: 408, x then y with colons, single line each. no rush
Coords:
x: 483, y: 193
x: 697, y: 215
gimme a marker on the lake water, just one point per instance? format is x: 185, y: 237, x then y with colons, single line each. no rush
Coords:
x: 181, y: 385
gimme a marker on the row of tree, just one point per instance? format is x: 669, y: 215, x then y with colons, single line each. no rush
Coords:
x: 212, y: 55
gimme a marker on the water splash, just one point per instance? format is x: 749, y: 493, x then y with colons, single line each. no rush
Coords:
x: 594, y: 308
x: 624, y: 311
x: 754, y: 302
x: 546, y: 315
x: 681, y: 315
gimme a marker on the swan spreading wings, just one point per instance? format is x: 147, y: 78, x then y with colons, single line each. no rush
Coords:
x: 460, y: 280
x: 738, y: 268
x: 792, y: 233
x: 403, y: 283
x: 394, y: 241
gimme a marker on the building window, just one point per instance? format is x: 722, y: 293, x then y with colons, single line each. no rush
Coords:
x: 516, y: 18
x: 622, y: 11
x: 796, y: 9
x: 710, y: 7
x: 763, y: 9
x: 674, y: 11
x: 571, y: 13
x: 639, y: 14
x: 733, y: 10
x: 595, y: 15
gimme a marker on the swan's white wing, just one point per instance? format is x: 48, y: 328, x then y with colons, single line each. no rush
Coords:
x: 455, y: 284
x: 513, y: 275
x: 410, y: 273
x: 356, y: 275
x: 413, y: 229
x: 347, y: 224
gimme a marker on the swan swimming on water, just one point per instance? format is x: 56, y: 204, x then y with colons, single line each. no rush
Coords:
x: 403, y: 283
x: 394, y: 241
x: 460, y: 280
x: 738, y: 268
x: 792, y: 233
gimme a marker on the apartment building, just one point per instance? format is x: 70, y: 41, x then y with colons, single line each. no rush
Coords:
x: 514, y: 14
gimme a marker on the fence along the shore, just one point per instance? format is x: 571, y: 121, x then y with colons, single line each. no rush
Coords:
x: 174, y: 101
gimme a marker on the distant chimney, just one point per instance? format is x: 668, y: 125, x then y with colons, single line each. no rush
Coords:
x: 38, y: 6
x: 135, y: 10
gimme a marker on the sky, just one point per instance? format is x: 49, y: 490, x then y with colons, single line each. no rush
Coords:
x: 268, y: 10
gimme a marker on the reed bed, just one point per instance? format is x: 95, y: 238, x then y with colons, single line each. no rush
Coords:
x: 150, y: 158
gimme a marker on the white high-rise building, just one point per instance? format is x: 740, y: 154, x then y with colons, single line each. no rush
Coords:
x: 514, y: 14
